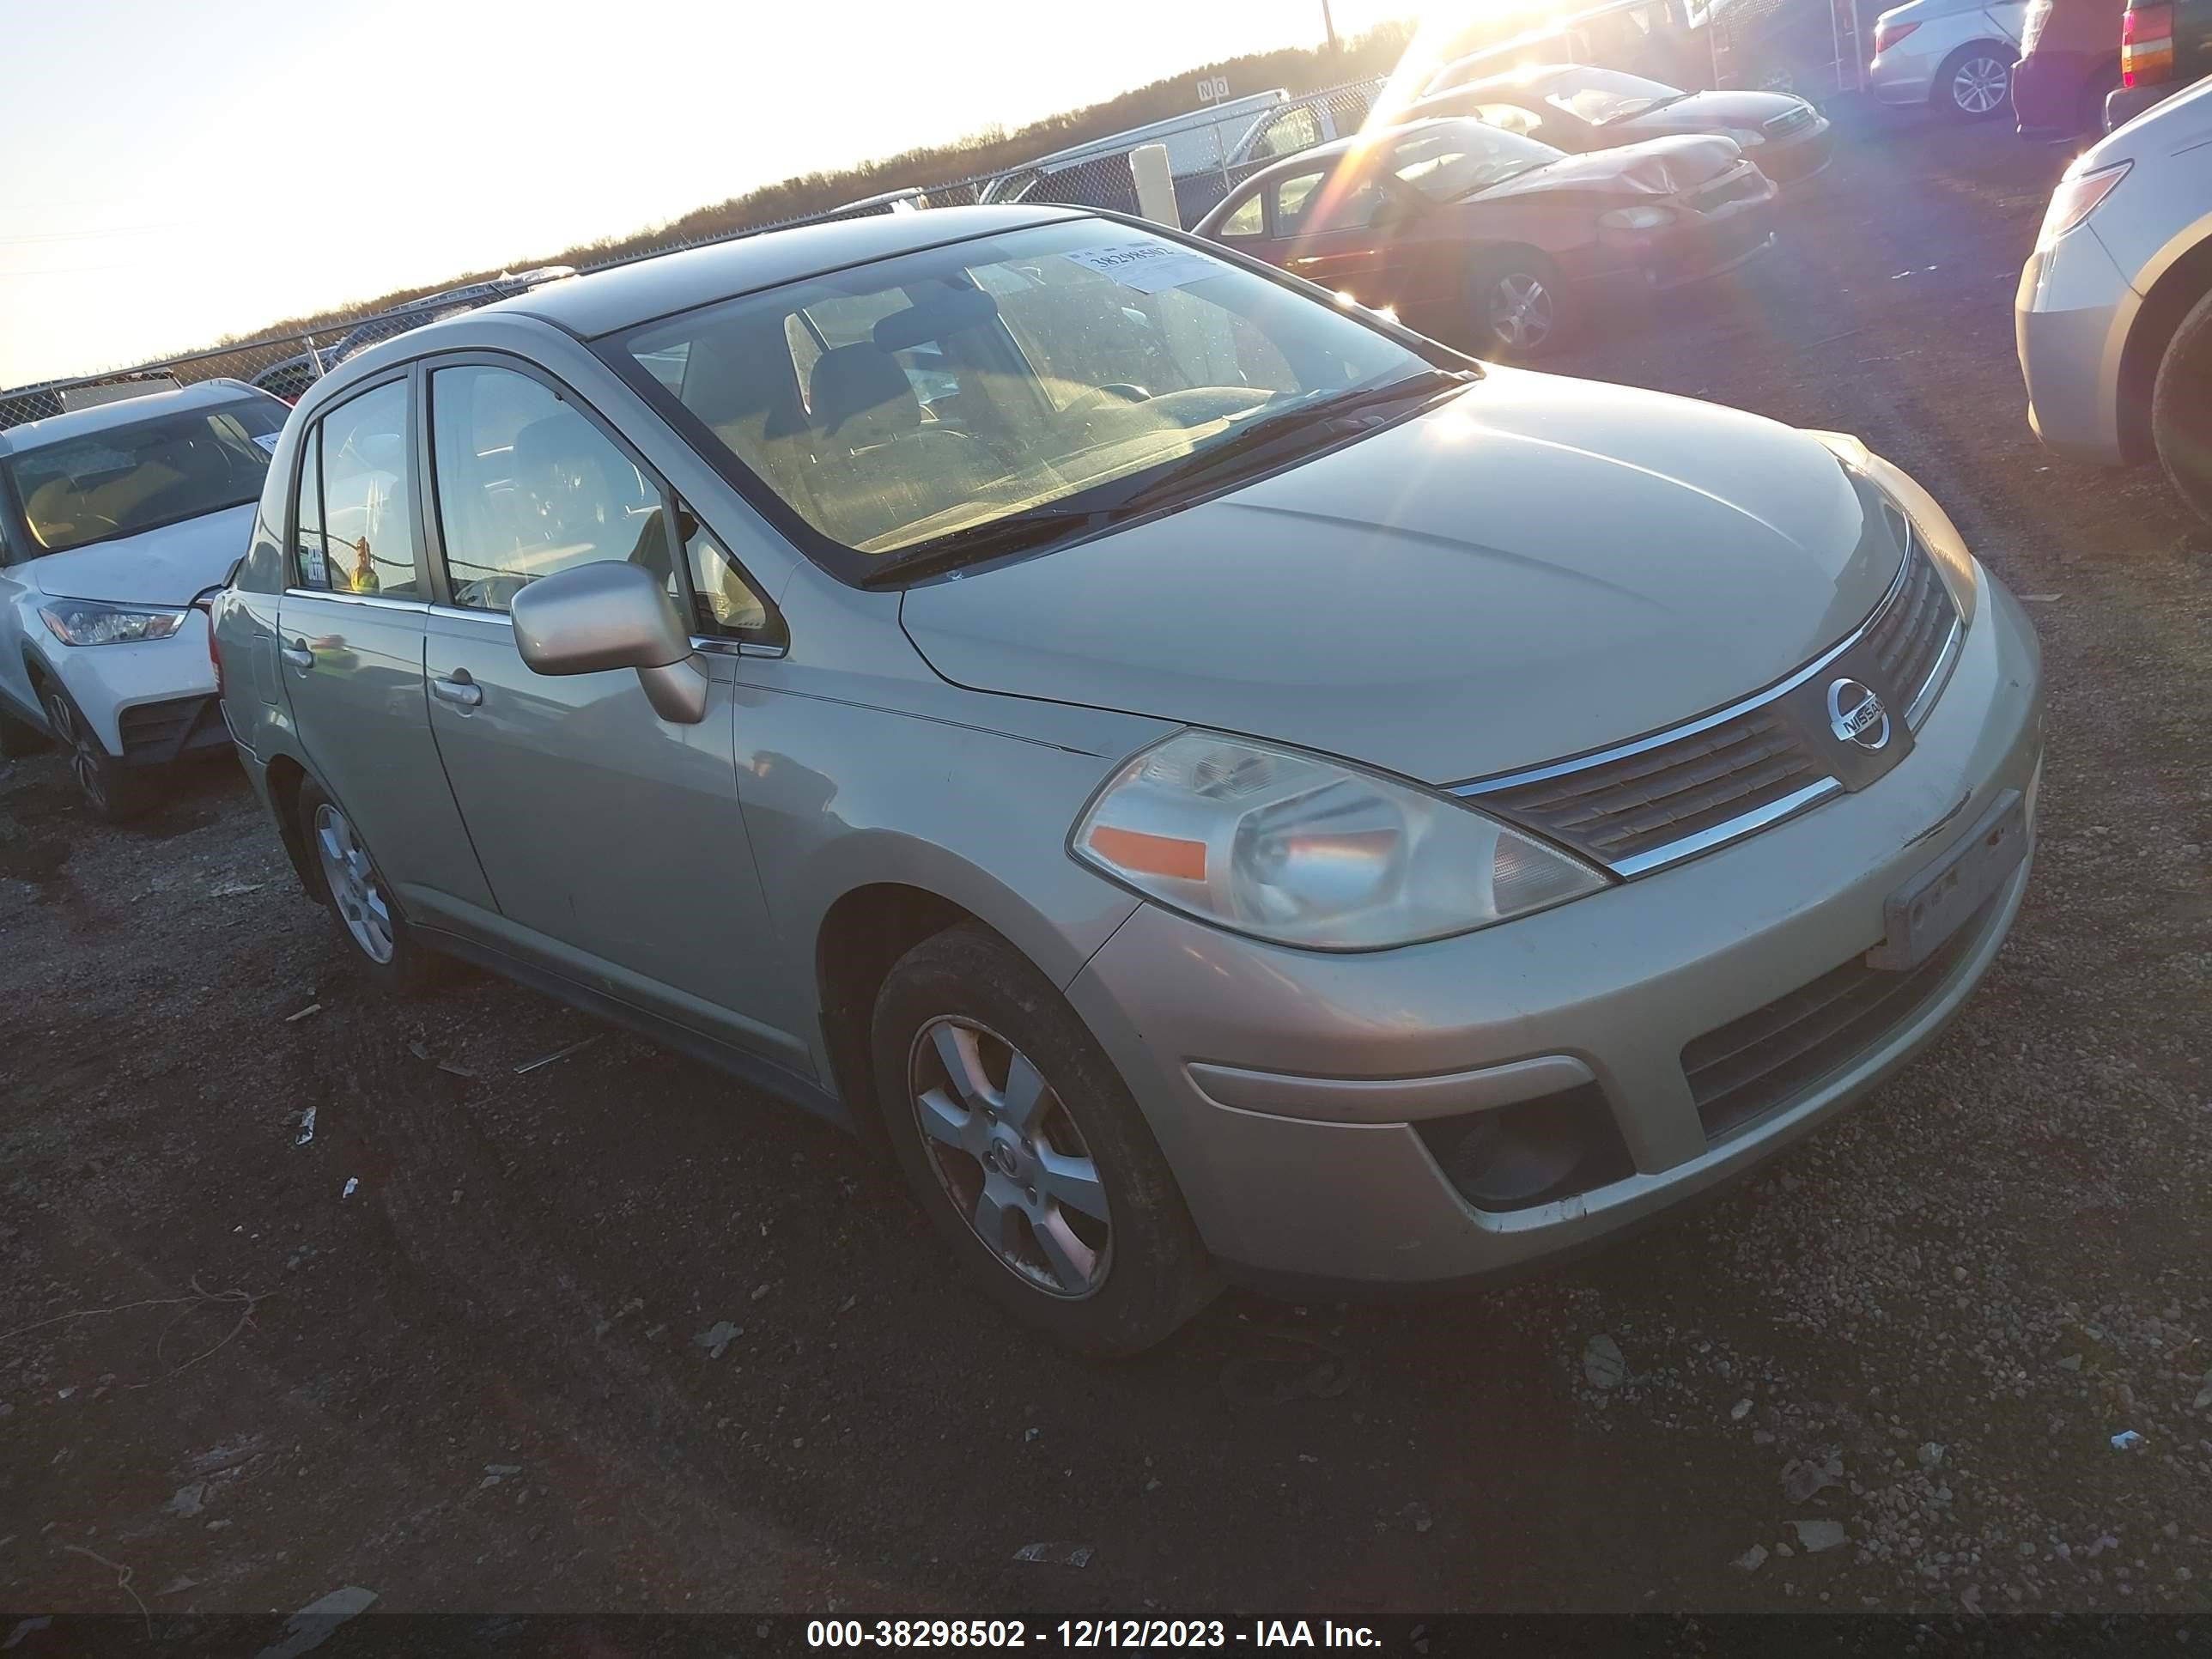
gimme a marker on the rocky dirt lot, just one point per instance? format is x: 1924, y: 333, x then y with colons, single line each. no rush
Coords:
x: 611, y: 1335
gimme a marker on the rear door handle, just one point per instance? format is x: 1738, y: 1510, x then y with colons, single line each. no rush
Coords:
x: 460, y: 689
x: 297, y: 654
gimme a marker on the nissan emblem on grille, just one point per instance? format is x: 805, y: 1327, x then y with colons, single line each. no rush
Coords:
x: 1855, y: 715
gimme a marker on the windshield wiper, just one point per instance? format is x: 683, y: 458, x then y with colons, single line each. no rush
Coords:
x: 1018, y: 532
x: 1056, y: 522
x: 1266, y: 431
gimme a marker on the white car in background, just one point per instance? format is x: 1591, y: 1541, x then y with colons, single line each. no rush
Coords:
x: 1954, y: 56
x: 112, y: 521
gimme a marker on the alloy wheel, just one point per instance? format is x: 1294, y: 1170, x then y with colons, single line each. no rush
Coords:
x: 1521, y: 311
x: 355, y: 889
x: 1009, y: 1158
x: 85, y: 761
x: 1980, y: 84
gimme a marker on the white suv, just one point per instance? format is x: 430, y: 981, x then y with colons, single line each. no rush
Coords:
x: 112, y: 521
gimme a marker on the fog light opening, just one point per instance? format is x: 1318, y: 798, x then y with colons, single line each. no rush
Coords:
x: 1516, y: 1158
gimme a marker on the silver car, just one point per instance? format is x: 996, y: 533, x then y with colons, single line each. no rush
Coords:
x: 1234, y: 789
x: 1954, y: 56
x: 2113, y: 314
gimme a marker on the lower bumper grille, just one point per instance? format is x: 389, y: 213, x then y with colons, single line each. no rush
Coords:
x: 1741, y: 1071
x: 156, y: 732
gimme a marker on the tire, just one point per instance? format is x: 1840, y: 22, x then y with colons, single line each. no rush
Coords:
x: 1518, y: 307
x: 1097, y: 1248
x: 353, y: 890
x: 2181, y: 409
x: 1974, y: 84
x: 114, y: 792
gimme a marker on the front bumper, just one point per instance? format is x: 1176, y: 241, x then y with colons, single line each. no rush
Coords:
x: 1314, y: 1169
x: 2071, y: 314
x: 1800, y: 156
x: 148, y: 702
x: 1705, y: 246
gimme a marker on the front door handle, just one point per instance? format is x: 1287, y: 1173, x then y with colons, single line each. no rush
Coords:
x: 297, y: 654
x: 459, y: 689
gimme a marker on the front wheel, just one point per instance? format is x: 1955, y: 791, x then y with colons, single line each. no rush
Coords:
x: 1519, y: 307
x: 2181, y: 410
x: 1025, y: 1147
x: 1975, y: 82
x: 116, y: 793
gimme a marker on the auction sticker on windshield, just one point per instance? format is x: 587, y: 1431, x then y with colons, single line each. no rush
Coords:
x: 1147, y: 267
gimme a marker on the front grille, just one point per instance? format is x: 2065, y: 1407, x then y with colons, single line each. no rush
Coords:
x: 1650, y: 803
x: 1909, y: 634
x: 1773, y: 1055
x: 1787, y: 122
x: 152, y: 732
x: 1737, y: 187
x: 1633, y: 804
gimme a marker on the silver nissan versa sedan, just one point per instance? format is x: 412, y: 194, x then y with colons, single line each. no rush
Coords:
x: 1221, y: 786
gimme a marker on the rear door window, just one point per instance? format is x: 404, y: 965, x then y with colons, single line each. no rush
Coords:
x: 364, y: 540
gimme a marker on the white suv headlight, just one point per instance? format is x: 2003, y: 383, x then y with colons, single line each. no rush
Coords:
x: 89, y: 622
x: 1300, y: 850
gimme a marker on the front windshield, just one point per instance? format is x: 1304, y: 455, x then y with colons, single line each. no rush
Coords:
x: 927, y: 397
x: 1599, y: 95
x: 137, y: 477
x: 1453, y: 160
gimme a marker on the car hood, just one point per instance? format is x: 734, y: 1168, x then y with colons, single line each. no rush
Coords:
x: 168, y: 566
x: 1708, y: 112
x: 1656, y: 166
x: 1539, y: 567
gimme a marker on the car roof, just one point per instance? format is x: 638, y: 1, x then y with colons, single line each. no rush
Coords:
x: 1530, y: 78
x: 125, y: 411
x: 625, y: 295
x: 1337, y: 149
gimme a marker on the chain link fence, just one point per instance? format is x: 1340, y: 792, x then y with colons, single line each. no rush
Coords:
x: 1209, y: 154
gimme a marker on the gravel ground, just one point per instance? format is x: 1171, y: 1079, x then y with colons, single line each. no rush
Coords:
x: 614, y: 1336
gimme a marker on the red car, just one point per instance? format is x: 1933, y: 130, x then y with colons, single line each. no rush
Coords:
x: 2069, y: 58
x: 1469, y: 231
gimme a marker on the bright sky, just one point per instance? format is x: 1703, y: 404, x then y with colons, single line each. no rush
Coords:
x: 175, y: 172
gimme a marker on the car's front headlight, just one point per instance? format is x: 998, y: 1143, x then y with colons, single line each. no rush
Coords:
x: 1954, y: 561
x: 1747, y: 139
x: 1299, y: 850
x: 89, y: 622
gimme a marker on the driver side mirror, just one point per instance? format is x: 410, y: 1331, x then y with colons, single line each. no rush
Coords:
x: 611, y: 614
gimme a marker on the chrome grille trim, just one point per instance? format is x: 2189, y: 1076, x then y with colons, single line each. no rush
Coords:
x: 1916, y: 576
x: 1924, y: 699
x: 1735, y: 830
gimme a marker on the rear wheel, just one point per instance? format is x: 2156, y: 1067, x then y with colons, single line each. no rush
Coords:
x: 116, y: 793
x: 2181, y: 409
x: 357, y: 895
x: 1027, y: 1151
x: 1518, y: 305
x: 1975, y: 82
